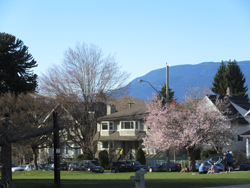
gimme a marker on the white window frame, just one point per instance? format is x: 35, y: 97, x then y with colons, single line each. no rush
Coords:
x: 103, y: 144
x: 109, y: 145
x: 112, y: 126
x: 108, y: 125
x: 132, y: 125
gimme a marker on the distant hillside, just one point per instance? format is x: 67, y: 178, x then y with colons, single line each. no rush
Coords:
x: 181, y: 77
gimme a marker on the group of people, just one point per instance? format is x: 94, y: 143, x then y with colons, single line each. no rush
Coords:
x: 213, y: 170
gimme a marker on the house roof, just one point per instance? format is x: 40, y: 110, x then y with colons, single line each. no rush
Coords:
x: 116, y: 136
x: 135, y: 113
x: 238, y: 100
x: 246, y: 134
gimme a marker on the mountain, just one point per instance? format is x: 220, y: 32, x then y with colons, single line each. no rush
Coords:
x: 181, y: 77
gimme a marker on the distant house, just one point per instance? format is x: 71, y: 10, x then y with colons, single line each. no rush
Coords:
x: 124, y: 129
x: 246, y: 135
x: 239, y: 106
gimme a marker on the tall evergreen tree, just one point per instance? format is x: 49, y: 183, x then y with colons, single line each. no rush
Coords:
x: 163, y: 93
x: 15, y: 64
x: 231, y: 76
x: 236, y: 80
x: 219, y: 83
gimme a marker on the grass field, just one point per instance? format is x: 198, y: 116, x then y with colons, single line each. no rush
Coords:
x: 75, y: 179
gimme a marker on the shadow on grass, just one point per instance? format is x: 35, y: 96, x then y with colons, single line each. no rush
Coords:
x: 191, y: 183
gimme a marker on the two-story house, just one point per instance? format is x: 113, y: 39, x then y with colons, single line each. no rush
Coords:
x: 124, y: 129
x: 239, y: 107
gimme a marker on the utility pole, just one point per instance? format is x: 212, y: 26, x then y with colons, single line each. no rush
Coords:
x: 167, y: 97
x: 57, y: 181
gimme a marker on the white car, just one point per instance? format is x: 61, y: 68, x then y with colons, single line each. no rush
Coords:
x: 18, y: 168
x: 31, y: 167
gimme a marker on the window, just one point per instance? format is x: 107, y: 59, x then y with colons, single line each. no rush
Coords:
x: 127, y: 125
x: 69, y: 151
x: 136, y: 125
x: 105, y: 145
x: 111, y: 126
x: 104, y: 126
x: 240, y: 138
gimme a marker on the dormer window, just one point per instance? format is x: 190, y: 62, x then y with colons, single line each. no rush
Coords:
x: 107, y: 126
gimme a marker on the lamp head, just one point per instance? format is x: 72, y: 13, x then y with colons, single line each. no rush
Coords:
x: 140, y: 81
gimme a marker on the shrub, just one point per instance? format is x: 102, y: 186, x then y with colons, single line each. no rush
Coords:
x: 140, y: 156
x: 88, y: 155
x: 205, y: 153
x: 79, y: 157
x: 104, y: 159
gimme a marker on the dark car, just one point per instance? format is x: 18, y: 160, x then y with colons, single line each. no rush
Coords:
x: 92, y: 166
x: 244, y: 166
x: 77, y: 167
x: 162, y: 167
x: 126, y: 166
x: 63, y: 166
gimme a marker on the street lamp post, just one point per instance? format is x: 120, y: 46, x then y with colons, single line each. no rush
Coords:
x: 167, y: 152
x: 154, y: 89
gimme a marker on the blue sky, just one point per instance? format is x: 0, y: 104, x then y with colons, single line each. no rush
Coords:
x: 143, y: 34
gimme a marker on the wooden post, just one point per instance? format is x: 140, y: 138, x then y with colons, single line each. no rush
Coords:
x: 57, y: 152
x: 6, y: 179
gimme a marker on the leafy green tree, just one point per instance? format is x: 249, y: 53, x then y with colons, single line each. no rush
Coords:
x: 15, y: 64
x: 104, y: 159
x: 219, y: 83
x: 231, y: 76
x: 140, y: 156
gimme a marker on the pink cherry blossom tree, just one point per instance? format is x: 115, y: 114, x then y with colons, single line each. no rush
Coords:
x: 188, y: 126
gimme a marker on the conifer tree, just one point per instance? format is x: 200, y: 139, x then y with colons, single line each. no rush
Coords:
x: 219, y: 83
x: 236, y: 80
x: 15, y: 64
x: 231, y: 76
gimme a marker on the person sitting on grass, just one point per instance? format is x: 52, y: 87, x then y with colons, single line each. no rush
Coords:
x: 202, y: 169
x: 186, y: 169
x: 214, y: 169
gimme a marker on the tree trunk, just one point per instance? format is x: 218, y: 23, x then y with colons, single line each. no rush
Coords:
x: 35, y: 158
x: 191, y: 158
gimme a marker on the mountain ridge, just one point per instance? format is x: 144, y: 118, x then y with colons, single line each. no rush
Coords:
x: 181, y: 77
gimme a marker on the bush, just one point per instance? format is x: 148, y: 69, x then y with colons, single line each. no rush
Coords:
x: 79, y: 157
x: 140, y: 156
x: 104, y: 159
x: 88, y: 155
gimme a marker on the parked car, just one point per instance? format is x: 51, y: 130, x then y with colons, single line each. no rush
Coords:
x: 208, y: 165
x: 31, y: 167
x: 63, y: 166
x: 90, y: 166
x: 162, y: 167
x: 217, y: 159
x: 244, y: 166
x: 93, y: 166
x: 126, y: 166
x: 77, y: 167
x: 18, y: 168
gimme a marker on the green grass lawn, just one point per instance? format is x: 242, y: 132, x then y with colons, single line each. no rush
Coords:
x: 75, y: 179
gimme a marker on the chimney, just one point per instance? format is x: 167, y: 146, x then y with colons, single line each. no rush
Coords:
x: 130, y: 104
x: 229, y: 91
x: 111, y: 109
